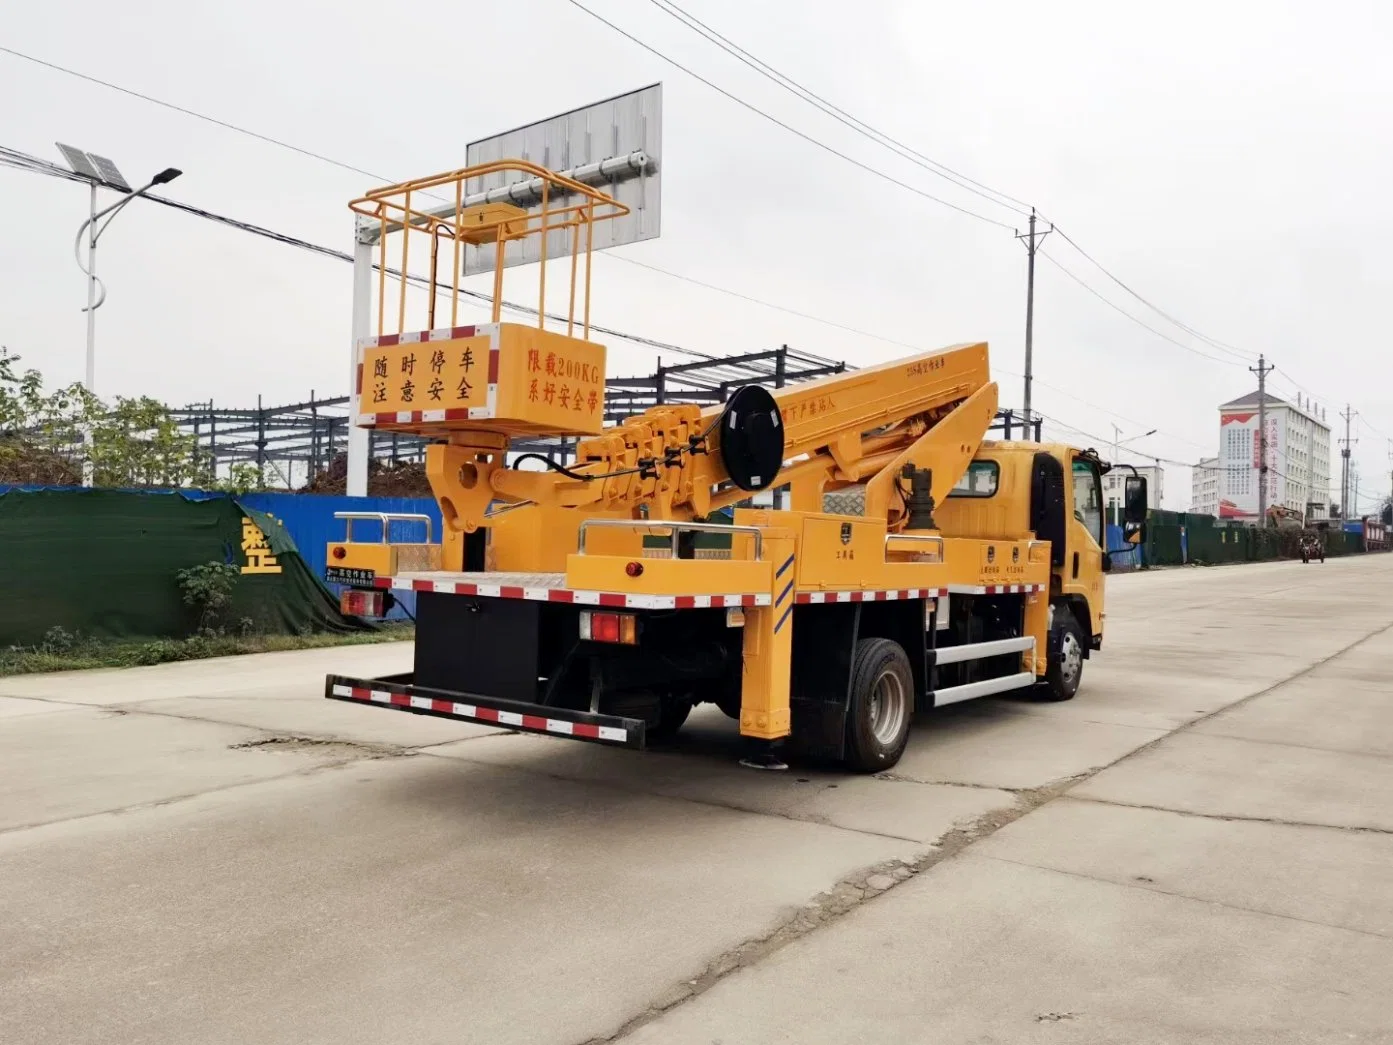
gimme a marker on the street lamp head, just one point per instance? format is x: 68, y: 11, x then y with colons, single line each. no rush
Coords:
x: 166, y: 176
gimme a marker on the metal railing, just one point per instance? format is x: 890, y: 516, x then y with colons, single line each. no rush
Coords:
x: 385, y: 518
x: 554, y: 201
x: 677, y: 529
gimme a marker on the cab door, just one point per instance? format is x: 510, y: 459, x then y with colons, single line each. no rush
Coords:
x: 1083, y: 565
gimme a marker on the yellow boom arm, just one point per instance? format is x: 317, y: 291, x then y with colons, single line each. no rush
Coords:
x: 930, y: 410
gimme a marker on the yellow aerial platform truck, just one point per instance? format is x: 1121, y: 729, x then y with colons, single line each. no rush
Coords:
x: 916, y: 564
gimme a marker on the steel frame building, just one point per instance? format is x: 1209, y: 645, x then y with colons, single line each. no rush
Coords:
x: 293, y: 442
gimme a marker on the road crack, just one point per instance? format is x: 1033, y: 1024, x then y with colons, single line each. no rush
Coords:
x: 1236, y: 817
x: 856, y: 889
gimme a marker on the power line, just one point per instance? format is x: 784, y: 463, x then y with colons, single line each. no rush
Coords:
x: 780, y: 123
x: 1246, y: 357
x: 1118, y: 308
x: 858, y: 125
x: 901, y: 344
x: 769, y: 304
x: 900, y: 148
x: 799, y: 90
x: 1108, y: 442
x: 180, y: 109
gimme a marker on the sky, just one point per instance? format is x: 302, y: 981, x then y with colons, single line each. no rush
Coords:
x: 1227, y: 162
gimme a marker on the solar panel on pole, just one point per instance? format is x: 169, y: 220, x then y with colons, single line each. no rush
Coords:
x: 110, y: 175
x: 94, y: 168
x: 79, y: 162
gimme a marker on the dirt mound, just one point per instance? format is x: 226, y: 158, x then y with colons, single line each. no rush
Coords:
x: 23, y: 464
x: 403, y: 479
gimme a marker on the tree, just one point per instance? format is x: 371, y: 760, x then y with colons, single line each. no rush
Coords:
x: 136, y: 442
x: 19, y: 393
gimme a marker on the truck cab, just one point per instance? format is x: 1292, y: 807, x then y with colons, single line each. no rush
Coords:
x: 1050, y: 492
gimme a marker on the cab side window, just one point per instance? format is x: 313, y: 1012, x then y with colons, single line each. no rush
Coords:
x: 1088, y: 499
x: 979, y: 480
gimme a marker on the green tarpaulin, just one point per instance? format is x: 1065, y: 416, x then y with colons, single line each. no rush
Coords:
x: 103, y: 564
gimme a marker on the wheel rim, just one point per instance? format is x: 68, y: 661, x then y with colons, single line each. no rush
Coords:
x: 1070, y: 658
x: 889, y: 708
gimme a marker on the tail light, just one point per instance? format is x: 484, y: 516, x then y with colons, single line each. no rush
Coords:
x: 609, y: 627
x: 354, y: 602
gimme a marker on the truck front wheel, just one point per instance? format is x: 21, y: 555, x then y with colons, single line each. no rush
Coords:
x: 1064, y: 669
x: 881, y: 706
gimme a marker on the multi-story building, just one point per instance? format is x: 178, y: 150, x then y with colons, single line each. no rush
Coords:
x: 1204, y: 487
x: 1114, y: 481
x: 1298, y: 458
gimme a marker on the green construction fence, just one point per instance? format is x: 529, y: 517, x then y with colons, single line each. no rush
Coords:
x: 103, y: 564
x: 1176, y: 538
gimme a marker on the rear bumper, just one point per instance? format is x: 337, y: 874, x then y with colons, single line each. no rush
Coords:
x: 398, y: 693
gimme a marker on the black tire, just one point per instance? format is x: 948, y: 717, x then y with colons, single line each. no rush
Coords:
x: 671, y: 718
x: 730, y: 706
x: 881, y: 706
x: 1064, y: 669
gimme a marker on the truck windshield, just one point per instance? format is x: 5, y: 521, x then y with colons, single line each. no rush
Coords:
x: 1088, y: 499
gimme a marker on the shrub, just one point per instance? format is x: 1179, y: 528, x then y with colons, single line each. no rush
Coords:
x: 208, y: 589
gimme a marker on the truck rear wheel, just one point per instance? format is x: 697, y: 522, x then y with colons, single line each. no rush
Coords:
x: 672, y: 715
x: 1064, y: 669
x: 881, y: 706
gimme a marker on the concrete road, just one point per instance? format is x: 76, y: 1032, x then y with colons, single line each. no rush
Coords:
x: 1198, y: 848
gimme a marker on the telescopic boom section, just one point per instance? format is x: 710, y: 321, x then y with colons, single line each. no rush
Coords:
x: 931, y: 411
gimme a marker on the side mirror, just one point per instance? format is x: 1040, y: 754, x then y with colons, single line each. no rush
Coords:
x: 1134, y: 509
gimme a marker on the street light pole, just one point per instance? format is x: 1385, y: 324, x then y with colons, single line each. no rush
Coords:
x: 92, y: 232
x: 1116, y: 431
x: 91, y: 294
x: 1116, y: 442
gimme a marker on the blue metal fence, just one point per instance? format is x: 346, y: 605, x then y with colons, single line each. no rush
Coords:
x: 1125, y: 556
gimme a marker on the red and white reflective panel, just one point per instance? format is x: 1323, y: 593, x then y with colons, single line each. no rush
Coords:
x: 887, y: 595
x: 480, y: 713
x: 995, y: 589
x: 614, y: 599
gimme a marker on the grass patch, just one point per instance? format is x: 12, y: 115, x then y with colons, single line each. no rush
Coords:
x: 80, y: 654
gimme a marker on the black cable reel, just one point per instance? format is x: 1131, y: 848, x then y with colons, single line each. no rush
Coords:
x: 752, y: 438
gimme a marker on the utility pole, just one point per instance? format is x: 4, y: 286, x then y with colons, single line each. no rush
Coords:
x: 1032, y: 241
x: 1348, y: 415
x: 1262, y: 370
